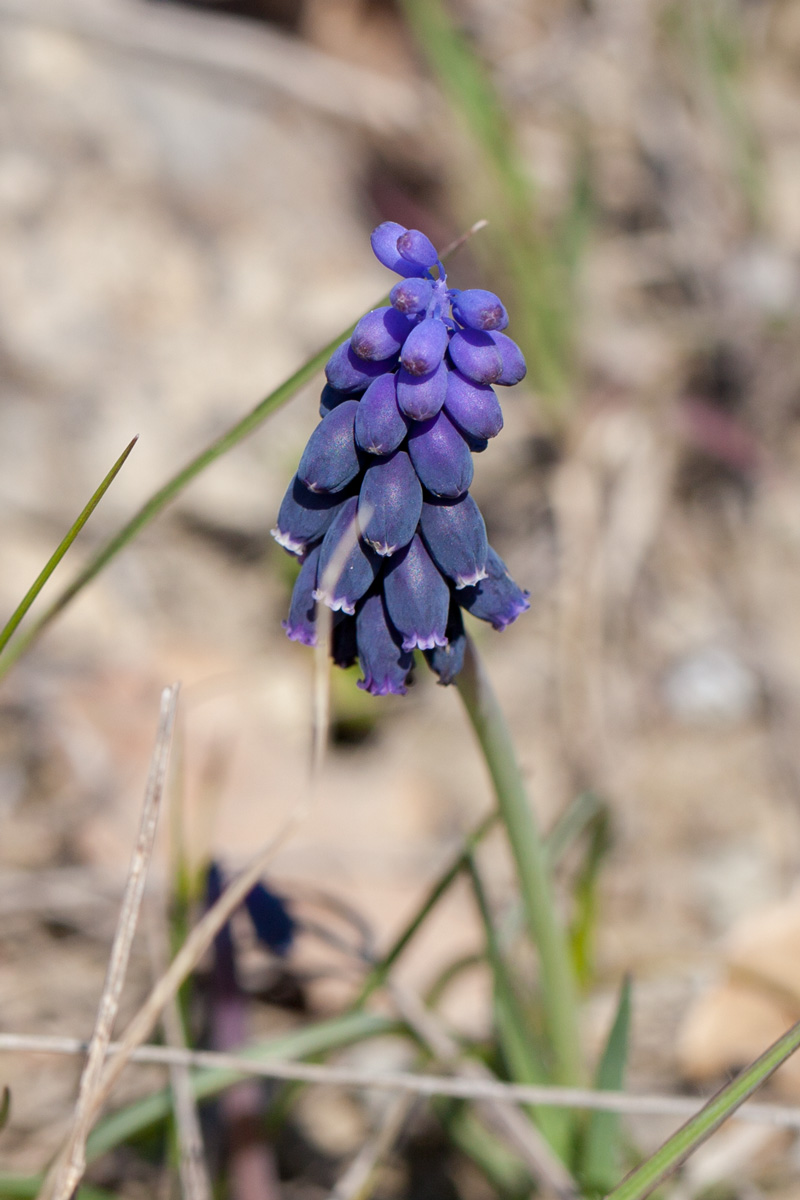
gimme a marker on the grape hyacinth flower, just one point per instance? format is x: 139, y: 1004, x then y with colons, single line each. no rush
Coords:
x: 379, y: 512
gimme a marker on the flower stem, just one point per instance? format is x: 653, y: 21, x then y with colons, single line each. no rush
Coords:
x: 559, y: 993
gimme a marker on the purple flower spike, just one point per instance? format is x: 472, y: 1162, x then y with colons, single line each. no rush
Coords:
x: 496, y: 598
x: 384, y: 247
x: 389, y: 504
x: 418, y: 249
x: 440, y: 456
x: 346, y: 372
x: 421, y: 396
x: 380, y: 334
x: 384, y: 663
x: 347, y: 567
x: 475, y: 354
x: 330, y: 459
x: 417, y: 597
x: 455, y: 536
x: 411, y: 296
x: 473, y: 406
x: 300, y: 625
x: 331, y: 399
x: 380, y: 426
x: 424, y: 347
x: 448, y: 660
x: 303, y: 517
x: 479, y: 309
x: 514, y: 366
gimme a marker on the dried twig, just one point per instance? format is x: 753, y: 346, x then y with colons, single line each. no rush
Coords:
x: 195, y: 1182
x: 68, y: 1168
x: 652, y: 1105
x: 355, y: 1183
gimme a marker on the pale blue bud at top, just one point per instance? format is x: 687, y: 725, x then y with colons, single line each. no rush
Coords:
x: 347, y: 567
x: 300, y: 625
x: 380, y: 426
x: 389, y: 503
x: 455, y: 536
x: 303, y: 516
x: 411, y: 296
x: 479, y: 309
x: 346, y: 372
x: 421, y: 396
x: 440, y: 456
x: 380, y: 334
x: 416, y: 248
x: 497, y: 598
x: 330, y: 459
x: 473, y: 406
x: 384, y: 662
x: 448, y: 660
x: 384, y: 247
x: 331, y: 398
x: 417, y: 597
x: 476, y: 355
x: 514, y: 367
x: 424, y: 347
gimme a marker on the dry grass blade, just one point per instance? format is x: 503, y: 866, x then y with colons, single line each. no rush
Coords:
x: 355, y: 1183
x: 68, y: 1168
x: 195, y: 1182
x: 500, y: 1115
x: 654, y: 1105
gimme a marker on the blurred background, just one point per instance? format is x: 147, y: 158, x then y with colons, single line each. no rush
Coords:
x: 186, y: 196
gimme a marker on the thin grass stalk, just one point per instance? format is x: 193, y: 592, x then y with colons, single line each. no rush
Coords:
x: 557, y: 981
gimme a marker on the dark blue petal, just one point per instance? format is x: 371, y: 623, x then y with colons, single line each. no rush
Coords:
x: 380, y: 334
x: 479, y: 309
x: 344, y: 649
x: 514, y: 367
x: 440, y: 456
x: 300, y: 625
x: 421, y: 396
x: 496, y: 598
x: 384, y: 246
x: 303, y: 516
x: 380, y: 426
x: 330, y: 459
x: 473, y: 406
x: 390, y: 503
x: 416, y: 248
x: 448, y: 660
x: 423, y: 349
x: 476, y: 355
x: 346, y: 372
x: 271, y: 918
x: 331, y: 399
x: 417, y: 597
x: 411, y: 296
x: 347, y: 567
x: 384, y: 663
x: 455, y: 535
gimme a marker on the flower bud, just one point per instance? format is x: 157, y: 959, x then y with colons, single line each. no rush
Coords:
x: 411, y: 296
x: 380, y: 426
x: 514, y: 366
x: 300, y: 625
x: 418, y: 249
x: 455, y: 536
x: 384, y: 247
x: 380, y: 334
x: 347, y: 567
x: 346, y: 372
x: 473, y: 406
x: 440, y: 456
x: 330, y: 459
x: 479, y: 309
x: 330, y: 399
x: 417, y: 597
x: 497, y: 598
x: 303, y: 517
x: 423, y: 349
x: 384, y: 663
x: 476, y: 355
x: 421, y: 396
x: 389, y: 503
x: 448, y: 660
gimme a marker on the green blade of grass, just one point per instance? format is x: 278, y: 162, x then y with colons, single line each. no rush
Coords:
x: 666, y: 1160
x: 324, y: 1036
x: 599, y: 1164
x: 503, y: 1170
x: 41, y: 579
x: 584, y: 922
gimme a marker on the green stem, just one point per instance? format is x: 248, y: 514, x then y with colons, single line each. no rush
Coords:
x: 559, y: 993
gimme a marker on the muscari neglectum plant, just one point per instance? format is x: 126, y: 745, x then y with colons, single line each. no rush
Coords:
x: 379, y: 511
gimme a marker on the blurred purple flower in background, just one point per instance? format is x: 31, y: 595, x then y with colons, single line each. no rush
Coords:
x: 379, y: 512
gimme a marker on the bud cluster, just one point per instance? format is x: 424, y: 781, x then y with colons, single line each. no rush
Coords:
x: 379, y: 511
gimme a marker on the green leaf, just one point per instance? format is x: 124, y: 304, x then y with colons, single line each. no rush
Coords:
x: 582, y: 930
x: 41, y: 579
x: 599, y: 1164
x: 504, y: 1171
x: 316, y: 1039
x: 666, y: 1160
